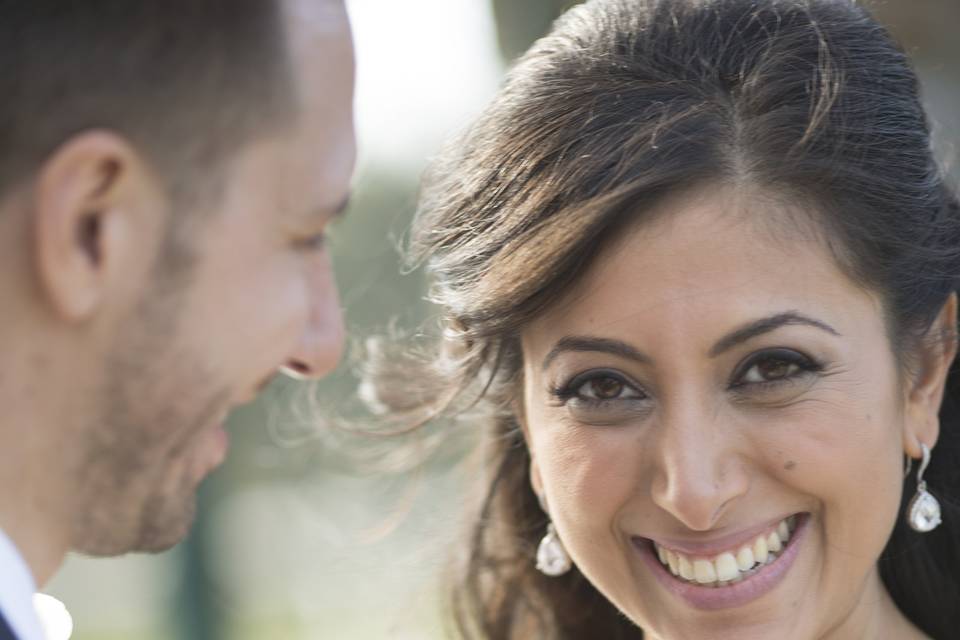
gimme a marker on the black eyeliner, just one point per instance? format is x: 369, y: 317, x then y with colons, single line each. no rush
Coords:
x: 805, y: 363
x: 569, y: 390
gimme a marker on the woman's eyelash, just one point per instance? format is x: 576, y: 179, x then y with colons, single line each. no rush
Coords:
x: 787, y: 366
x: 771, y: 368
x: 563, y: 392
x: 572, y: 388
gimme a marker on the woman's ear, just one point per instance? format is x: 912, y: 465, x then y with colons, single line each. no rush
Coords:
x: 519, y: 411
x: 537, y: 483
x: 928, y: 380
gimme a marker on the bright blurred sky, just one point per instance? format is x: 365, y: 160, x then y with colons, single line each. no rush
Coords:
x: 424, y: 69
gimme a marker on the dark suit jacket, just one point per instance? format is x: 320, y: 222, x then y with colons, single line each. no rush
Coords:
x: 5, y: 632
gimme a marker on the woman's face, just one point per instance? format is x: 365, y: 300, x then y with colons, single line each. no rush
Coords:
x: 721, y: 395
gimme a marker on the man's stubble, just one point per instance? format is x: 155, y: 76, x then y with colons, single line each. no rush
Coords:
x: 156, y: 396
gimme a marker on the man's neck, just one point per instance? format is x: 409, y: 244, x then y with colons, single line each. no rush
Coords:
x: 42, y: 553
x: 43, y: 396
x: 36, y: 499
x: 31, y: 518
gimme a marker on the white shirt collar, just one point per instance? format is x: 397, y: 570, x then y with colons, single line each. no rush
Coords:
x: 16, y: 592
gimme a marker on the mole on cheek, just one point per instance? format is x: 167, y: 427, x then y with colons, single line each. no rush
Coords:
x: 790, y: 464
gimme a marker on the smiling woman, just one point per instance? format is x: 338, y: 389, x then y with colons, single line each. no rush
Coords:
x: 699, y: 264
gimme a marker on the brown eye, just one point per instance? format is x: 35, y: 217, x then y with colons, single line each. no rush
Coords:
x: 775, y: 366
x: 597, y: 388
x: 603, y: 388
x: 600, y: 388
x: 771, y: 369
x: 603, y: 397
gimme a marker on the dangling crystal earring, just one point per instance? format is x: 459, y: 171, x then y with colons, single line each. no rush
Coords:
x: 552, y: 558
x: 923, y: 512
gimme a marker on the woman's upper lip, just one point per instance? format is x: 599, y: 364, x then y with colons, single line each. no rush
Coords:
x: 703, y: 544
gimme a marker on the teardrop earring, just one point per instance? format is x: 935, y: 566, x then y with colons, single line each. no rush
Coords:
x: 923, y: 512
x: 552, y: 557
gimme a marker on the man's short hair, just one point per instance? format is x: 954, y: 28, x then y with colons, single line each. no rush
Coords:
x: 186, y: 81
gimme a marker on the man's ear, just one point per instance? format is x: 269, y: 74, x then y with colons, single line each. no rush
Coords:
x: 929, y: 379
x: 83, y: 198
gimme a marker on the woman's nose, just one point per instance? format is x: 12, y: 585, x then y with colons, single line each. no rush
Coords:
x: 699, y: 472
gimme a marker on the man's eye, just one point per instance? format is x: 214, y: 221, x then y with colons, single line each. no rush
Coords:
x: 312, y: 243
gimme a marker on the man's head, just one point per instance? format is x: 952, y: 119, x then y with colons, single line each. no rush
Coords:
x: 186, y: 82
x: 167, y: 172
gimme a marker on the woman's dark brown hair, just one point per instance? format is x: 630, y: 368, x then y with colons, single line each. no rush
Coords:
x: 623, y: 103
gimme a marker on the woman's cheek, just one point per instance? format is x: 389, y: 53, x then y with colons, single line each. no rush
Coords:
x: 855, y: 490
x: 588, y: 474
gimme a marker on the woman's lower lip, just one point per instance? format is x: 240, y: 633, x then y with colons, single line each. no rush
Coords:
x: 734, y: 595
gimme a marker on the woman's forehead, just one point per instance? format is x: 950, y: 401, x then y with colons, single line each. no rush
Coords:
x: 703, y: 263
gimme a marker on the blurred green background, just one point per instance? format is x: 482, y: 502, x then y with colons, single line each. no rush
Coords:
x: 294, y: 542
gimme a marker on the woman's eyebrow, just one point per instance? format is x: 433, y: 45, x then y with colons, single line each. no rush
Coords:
x: 766, y: 325
x: 593, y: 343
x: 582, y: 343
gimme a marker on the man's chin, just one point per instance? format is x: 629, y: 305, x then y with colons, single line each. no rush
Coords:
x: 164, y: 529
x: 162, y: 526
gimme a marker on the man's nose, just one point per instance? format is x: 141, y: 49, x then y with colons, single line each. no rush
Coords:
x: 319, y: 346
x: 699, y: 473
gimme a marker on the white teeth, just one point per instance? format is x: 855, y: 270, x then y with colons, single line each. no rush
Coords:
x: 729, y: 567
x: 760, y: 551
x: 704, y: 572
x: 783, y: 531
x: 773, y: 542
x: 674, y: 563
x: 686, y: 568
